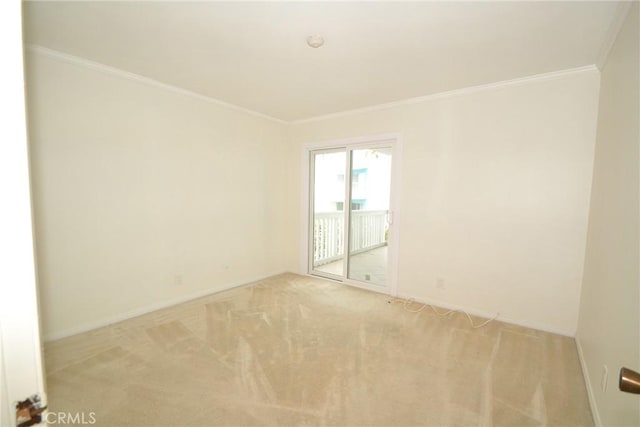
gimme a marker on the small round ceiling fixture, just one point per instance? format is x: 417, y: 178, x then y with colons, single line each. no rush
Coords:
x: 315, y: 41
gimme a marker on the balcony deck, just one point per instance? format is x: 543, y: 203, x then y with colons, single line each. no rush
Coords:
x: 369, y: 266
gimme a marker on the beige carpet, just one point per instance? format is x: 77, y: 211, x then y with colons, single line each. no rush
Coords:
x: 294, y: 350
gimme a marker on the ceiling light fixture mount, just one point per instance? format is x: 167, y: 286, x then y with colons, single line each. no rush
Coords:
x: 315, y: 41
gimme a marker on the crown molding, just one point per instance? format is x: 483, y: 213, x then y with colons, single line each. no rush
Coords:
x: 97, y: 66
x: 612, y: 34
x: 457, y: 92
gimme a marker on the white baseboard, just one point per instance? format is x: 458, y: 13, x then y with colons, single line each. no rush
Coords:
x: 587, y: 381
x: 148, y: 309
x: 472, y: 311
x: 384, y: 290
x: 487, y: 315
x: 571, y: 333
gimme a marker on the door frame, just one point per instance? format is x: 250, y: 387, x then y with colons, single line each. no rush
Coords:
x: 394, y: 140
x: 21, y: 364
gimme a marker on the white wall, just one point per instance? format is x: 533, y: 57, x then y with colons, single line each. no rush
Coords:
x: 495, y: 194
x: 135, y: 184
x: 609, y: 327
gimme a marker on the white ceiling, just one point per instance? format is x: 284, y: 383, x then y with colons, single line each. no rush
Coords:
x: 254, y: 55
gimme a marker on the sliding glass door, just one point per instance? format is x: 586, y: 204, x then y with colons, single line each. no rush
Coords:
x: 369, y: 215
x: 361, y: 176
x: 328, y: 195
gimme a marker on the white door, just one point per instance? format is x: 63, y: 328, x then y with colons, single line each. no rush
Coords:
x: 21, y: 373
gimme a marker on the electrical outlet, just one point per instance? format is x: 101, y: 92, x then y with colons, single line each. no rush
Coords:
x: 604, y: 379
x: 177, y: 279
x: 440, y: 283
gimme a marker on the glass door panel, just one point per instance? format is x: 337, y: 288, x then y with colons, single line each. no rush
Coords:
x: 369, y: 214
x: 328, y: 198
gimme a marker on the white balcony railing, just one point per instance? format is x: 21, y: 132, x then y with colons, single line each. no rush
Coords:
x: 368, y: 231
